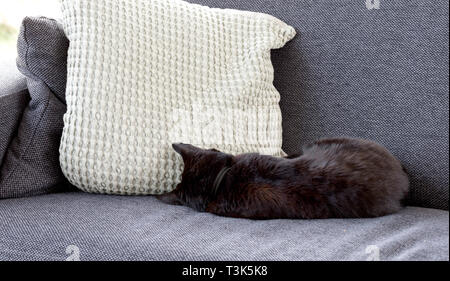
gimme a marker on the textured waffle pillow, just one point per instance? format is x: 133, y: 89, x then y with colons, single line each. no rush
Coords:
x: 145, y: 74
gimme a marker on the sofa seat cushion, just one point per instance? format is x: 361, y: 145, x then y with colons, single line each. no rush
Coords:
x: 107, y: 227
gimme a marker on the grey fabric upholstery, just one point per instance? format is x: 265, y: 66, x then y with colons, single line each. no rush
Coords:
x: 11, y: 108
x: 106, y: 227
x: 11, y: 80
x: 14, y: 98
x: 30, y: 158
x: 377, y: 74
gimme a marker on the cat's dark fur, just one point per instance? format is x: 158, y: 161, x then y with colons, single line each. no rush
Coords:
x: 333, y: 178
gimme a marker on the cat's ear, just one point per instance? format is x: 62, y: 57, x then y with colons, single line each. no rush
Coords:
x: 185, y: 150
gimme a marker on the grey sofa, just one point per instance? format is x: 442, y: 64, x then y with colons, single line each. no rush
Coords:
x: 373, y: 72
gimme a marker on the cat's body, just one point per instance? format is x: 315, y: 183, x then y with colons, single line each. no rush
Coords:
x: 333, y: 178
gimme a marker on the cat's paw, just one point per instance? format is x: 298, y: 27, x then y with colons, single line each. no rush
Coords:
x: 169, y: 198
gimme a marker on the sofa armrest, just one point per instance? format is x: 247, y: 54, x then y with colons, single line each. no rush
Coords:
x: 13, y: 100
x: 11, y: 80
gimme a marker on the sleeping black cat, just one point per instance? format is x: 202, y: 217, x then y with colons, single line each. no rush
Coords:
x: 333, y: 178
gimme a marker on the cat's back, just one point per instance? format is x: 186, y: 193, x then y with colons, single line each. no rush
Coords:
x: 358, y: 170
x: 349, y: 154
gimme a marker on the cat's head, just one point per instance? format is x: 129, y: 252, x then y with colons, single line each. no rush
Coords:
x: 201, y: 167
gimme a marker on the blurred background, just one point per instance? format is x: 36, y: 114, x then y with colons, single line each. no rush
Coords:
x: 11, y: 14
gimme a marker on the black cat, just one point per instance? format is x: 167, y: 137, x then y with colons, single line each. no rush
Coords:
x: 333, y: 178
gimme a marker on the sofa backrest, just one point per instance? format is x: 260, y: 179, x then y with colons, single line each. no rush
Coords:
x: 373, y: 71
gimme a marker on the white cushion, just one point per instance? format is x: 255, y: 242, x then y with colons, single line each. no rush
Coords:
x: 143, y: 74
